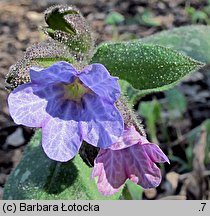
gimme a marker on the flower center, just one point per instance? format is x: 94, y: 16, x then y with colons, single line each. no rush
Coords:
x: 75, y: 90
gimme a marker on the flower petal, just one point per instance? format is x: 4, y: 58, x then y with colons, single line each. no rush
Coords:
x: 141, y: 165
x: 25, y: 107
x: 155, y: 153
x: 136, y: 163
x: 104, y: 186
x: 130, y: 137
x: 101, y: 122
x: 60, y: 139
x: 60, y: 72
x: 97, y: 78
x: 108, y: 176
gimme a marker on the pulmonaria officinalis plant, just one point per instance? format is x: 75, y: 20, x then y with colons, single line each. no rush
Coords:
x: 71, y: 91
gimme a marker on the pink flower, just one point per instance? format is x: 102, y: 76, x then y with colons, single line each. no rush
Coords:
x: 132, y: 157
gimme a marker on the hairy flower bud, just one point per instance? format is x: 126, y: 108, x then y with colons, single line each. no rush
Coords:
x: 42, y: 54
x: 71, y: 40
x: 67, y: 25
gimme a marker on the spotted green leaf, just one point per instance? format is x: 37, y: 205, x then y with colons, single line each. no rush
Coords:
x: 37, y: 177
x: 193, y: 40
x: 146, y: 67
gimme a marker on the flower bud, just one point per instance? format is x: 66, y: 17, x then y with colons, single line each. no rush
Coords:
x: 67, y: 25
x: 43, y: 55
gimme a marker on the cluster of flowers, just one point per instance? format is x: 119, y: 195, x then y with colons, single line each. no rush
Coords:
x: 71, y: 106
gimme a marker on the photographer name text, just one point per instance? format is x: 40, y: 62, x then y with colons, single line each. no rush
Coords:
x: 39, y: 207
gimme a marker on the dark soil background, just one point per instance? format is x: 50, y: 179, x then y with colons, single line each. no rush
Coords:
x: 19, y: 28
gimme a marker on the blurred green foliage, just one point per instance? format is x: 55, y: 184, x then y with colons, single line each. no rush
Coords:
x: 175, y: 105
x: 147, y: 18
x: 114, y: 18
x: 132, y: 191
x: 176, y: 101
x: 201, y: 16
x: 151, y: 111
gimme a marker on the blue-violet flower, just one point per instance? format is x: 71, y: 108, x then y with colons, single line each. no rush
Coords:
x: 131, y: 157
x: 70, y: 106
